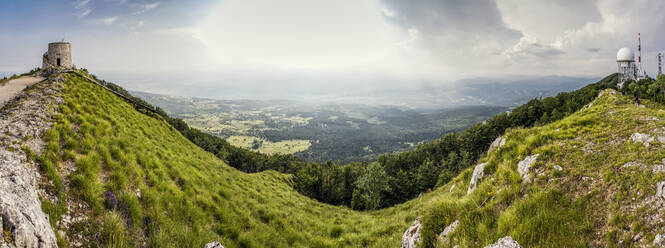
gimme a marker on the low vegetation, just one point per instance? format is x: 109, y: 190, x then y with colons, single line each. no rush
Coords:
x: 407, y: 174
x: 144, y: 184
x: 268, y: 147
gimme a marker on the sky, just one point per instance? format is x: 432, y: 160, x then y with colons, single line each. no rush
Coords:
x: 207, y: 47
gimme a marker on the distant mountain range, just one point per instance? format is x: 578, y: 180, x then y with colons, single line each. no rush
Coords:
x: 496, y: 91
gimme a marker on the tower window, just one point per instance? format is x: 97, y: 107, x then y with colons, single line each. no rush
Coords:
x: 58, y: 61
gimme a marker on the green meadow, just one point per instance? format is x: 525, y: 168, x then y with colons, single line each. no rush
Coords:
x: 141, y: 183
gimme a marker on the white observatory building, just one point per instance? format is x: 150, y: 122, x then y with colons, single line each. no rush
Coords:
x: 626, y: 65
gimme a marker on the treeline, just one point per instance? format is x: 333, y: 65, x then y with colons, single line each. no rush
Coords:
x: 652, y: 89
x: 393, y: 178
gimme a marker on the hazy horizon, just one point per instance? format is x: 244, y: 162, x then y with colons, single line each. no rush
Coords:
x: 289, y: 48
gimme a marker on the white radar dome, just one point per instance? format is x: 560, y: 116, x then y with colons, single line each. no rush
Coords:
x: 625, y: 54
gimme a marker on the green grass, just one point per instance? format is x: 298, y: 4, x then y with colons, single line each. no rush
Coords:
x: 188, y: 197
x: 265, y: 146
x: 146, y: 185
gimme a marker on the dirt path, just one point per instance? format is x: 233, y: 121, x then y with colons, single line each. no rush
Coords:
x: 13, y: 87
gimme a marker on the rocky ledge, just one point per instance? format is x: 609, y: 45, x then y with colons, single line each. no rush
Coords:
x: 23, y: 122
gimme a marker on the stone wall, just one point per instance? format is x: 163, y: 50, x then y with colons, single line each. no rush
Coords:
x: 58, y: 50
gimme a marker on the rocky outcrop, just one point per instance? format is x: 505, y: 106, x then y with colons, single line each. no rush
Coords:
x: 505, y: 242
x: 214, y: 245
x: 475, y: 178
x: 23, y: 123
x: 498, y: 142
x: 659, y: 240
x: 449, y: 230
x: 643, y: 138
x: 524, y: 166
x: 660, y: 189
x: 411, y: 237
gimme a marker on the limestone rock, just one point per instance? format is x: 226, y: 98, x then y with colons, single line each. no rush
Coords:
x: 505, y: 242
x: 20, y: 206
x: 498, y: 142
x: 449, y: 230
x: 411, y: 237
x: 475, y: 178
x: 659, y: 240
x: 660, y: 189
x: 524, y: 166
x: 214, y: 245
x: 659, y: 167
x: 26, y: 119
x: 557, y: 167
x: 643, y: 138
x: 631, y: 164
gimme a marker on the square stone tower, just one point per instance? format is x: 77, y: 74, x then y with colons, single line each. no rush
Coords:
x: 59, y: 55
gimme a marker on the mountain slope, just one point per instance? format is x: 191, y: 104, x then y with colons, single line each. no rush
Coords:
x: 593, y: 183
x: 128, y: 179
x: 120, y: 178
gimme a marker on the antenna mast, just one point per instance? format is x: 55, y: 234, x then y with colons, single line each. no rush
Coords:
x: 639, y: 55
x: 660, y: 63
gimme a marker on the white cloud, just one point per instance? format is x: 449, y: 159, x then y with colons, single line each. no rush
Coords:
x: 84, y: 9
x: 312, y: 35
x: 84, y: 13
x: 588, y: 44
x: 108, y: 20
x: 138, y: 25
x: 82, y: 3
x: 146, y: 8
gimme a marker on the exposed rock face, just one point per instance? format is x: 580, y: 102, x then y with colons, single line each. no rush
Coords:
x: 214, y: 245
x: 659, y: 167
x: 631, y: 164
x: 659, y: 240
x: 449, y: 230
x: 643, y: 138
x: 505, y: 242
x: 498, y: 142
x: 475, y: 178
x: 411, y: 237
x: 524, y: 166
x: 24, y: 123
x: 660, y: 189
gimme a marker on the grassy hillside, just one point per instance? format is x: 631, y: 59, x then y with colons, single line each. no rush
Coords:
x: 141, y: 183
x: 593, y: 186
x: 138, y: 182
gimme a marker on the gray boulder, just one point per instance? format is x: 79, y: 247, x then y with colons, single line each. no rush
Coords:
x: 524, y: 166
x: 449, y: 230
x: 505, y: 242
x: 214, y: 245
x: 660, y: 189
x: 659, y: 240
x: 411, y: 237
x: 643, y: 138
x: 498, y: 142
x: 20, y: 207
x: 475, y: 178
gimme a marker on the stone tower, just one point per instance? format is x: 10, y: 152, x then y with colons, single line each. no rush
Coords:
x: 59, y: 54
